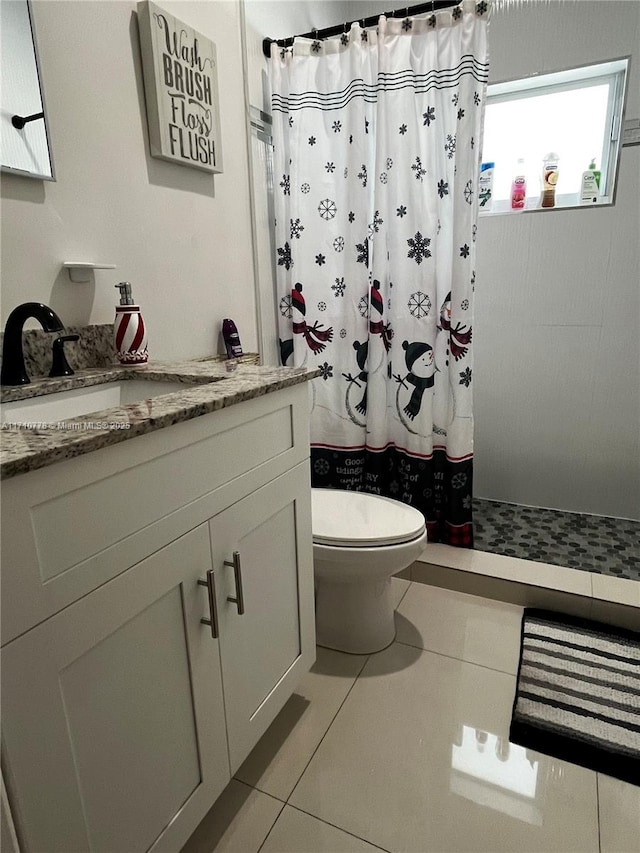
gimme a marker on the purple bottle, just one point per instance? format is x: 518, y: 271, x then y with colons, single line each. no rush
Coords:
x: 231, y: 339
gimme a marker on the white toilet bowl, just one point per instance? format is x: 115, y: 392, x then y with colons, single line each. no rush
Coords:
x: 359, y: 542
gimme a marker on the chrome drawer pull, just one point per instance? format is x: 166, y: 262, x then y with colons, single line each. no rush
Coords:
x: 237, y: 572
x: 213, y: 608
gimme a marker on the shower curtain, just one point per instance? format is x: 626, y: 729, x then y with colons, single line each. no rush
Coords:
x: 377, y: 138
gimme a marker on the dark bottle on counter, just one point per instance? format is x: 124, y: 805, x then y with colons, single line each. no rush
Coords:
x: 231, y: 339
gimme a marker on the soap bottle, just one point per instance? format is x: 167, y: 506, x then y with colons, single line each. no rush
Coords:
x: 231, y: 339
x: 486, y: 185
x: 590, y: 186
x: 519, y: 187
x: 549, y: 179
x: 130, y: 333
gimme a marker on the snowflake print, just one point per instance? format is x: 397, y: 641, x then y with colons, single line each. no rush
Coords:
x: 364, y: 35
x: 285, y: 183
x: 473, y: 280
x: 419, y: 304
x: 474, y: 232
x: 457, y: 13
x: 327, y: 209
x: 338, y: 244
x: 459, y: 480
x: 290, y: 121
x: 466, y: 502
x: 389, y: 162
x: 481, y: 8
x: 443, y: 188
x: 312, y: 140
x: 363, y: 252
x: 327, y: 370
x: 468, y: 192
x: 305, y: 188
x: 352, y: 216
x: 383, y: 177
x: 285, y: 307
x: 439, y: 227
x: 407, y: 24
x: 322, y: 306
x: 330, y: 167
x: 476, y: 99
x: 343, y: 333
x: 465, y: 377
x: 346, y: 172
x: 339, y: 287
x: 363, y: 307
x: 285, y: 257
x: 464, y: 251
x: 418, y: 247
x: 450, y: 146
x: 337, y: 126
x: 429, y: 116
x: 401, y: 211
x: 472, y: 143
x: 417, y: 168
x: 321, y: 467
x: 350, y: 139
x: 363, y: 175
x: 460, y: 114
x: 374, y: 227
x: 402, y: 129
x: 315, y: 47
x: 296, y: 228
x: 366, y: 125
x: 320, y: 259
x: 464, y: 304
x: 454, y: 100
x: 344, y: 39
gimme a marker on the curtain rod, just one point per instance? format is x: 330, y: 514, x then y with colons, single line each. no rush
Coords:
x: 336, y: 30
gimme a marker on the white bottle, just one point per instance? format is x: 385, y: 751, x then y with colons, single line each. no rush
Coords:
x: 590, y: 186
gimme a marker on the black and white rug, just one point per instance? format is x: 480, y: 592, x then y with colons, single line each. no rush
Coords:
x: 578, y: 693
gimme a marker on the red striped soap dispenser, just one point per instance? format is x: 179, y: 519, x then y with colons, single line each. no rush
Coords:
x: 130, y: 332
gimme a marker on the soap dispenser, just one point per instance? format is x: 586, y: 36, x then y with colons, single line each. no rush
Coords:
x: 130, y: 333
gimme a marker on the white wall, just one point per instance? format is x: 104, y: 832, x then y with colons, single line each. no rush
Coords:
x: 181, y: 237
x: 557, y: 310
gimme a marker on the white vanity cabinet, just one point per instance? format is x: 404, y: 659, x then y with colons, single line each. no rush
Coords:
x: 124, y: 717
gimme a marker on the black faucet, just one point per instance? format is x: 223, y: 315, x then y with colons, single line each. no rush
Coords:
x: 13, y: 369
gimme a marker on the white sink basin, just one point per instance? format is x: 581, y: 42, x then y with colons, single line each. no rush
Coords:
x: 83, y: 401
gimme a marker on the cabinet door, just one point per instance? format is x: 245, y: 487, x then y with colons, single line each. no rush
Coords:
x: 113, y: 717
x: 266, y: 650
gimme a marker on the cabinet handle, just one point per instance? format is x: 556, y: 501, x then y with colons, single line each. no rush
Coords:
x: 237, y: 572
x: 213, y: 608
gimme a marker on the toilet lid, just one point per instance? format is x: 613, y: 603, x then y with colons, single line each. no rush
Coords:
x: 357, y: 519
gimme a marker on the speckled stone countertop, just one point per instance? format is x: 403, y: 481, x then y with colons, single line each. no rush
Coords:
x: 208, y: 388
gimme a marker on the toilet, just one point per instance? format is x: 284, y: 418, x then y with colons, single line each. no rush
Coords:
x: 359, y: 542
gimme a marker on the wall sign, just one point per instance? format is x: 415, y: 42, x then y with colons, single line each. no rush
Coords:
x: 181, y: 90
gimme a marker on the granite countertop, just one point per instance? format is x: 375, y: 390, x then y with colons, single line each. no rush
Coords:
x: 208, y: 387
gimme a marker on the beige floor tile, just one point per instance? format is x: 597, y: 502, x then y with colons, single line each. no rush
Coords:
x: 462, y: 626
x: 279, y: 758
x: 619, y: 806
x: 612, y: 613
x: 399, y: 587
x: 297, y: 832
x: 418, y: 759
x: 238, y: 822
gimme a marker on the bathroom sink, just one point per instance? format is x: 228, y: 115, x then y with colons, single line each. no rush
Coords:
x: 83, y: 401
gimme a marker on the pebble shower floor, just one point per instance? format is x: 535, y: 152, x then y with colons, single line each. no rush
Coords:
x: 608, y: 546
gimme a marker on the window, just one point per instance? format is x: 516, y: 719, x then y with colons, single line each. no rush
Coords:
x: 576, y: 114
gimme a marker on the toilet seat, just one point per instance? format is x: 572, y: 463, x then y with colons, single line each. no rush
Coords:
x: 348, y: 519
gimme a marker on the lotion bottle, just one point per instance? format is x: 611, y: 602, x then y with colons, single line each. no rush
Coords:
x: 519, y: 187
x: 549, y: 179
x: 130, y: 332
x: 590, y: 186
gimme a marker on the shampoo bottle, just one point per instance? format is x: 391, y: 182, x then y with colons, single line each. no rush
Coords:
x: 549, y: 179
x: 486, y: 185
x: 519, y: 187
x: 130, y: 332
x: 590, y: 187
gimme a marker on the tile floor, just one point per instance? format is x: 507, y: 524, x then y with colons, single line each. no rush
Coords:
x: 407, y: 750
x: 609, y: 546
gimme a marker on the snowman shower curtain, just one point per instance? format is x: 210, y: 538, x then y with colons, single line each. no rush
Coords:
x: 377, y: 138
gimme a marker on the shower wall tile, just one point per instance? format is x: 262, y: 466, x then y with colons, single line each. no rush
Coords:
x: 532, y: 399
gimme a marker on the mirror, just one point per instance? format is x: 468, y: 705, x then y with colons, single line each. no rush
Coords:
x: 24, y: 139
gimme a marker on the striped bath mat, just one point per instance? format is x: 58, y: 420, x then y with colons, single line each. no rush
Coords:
x: 578, y: 693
